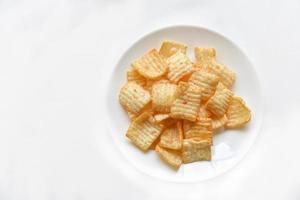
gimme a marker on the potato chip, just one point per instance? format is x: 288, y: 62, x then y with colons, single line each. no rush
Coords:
x: 186, y: 106
x: 218, y: 122
x: 201, y: 129
x: 133, y: 97
x: 203, y: 113
x: 168, y: 48
x: 165, y: 119
x: 131, y: 115
x: 163, y: 95
x: 171, y: 157
x: 195, y: 149
x: 204, y: 56
x: 143, y: 131
x: 206, y: 81
x: 238, y: 113
x: 171, y: 138
x: 227, y: 76
x: 179, y: 66
x: 151, y: 65
x: 134, y: 76
x: 219, y: 102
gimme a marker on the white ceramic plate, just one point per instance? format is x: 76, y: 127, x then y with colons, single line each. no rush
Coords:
x: 230, y: 146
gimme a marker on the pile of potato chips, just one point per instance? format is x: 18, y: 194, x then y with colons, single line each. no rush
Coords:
x: 176, y: 105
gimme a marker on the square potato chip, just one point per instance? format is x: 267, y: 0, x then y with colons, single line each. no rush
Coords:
x: 206, y: 81
x: 203, y: 113
x: 187, y: 104
x: 143, y: 131
x: 168, y: 48
x: 134, y: 76
x: 164, y: 119
x: 179, y: 66
x: 201, y: 129
x: 238, y: 113
x: 151, y: 65
x: 171, y: 138
x: 195, y: 149
x: 218, y: 122
x: 204, y: 56
x: 171, y: 157
x: 163, y: 95
x: 219, y: 102
x: 227, y: 76
x: 134, y: 98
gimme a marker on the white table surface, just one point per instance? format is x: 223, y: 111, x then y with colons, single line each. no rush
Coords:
x: 55, y: 59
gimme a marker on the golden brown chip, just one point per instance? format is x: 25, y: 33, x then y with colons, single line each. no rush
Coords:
x: 218, y: 122
x: 163, y: 95
x: 168, y: 48
x: 238, y: 113
x: 165, y: 119
x: 179, y: 66
x: 195, y: 149
x: 204, y: 56
x: 171, y: 157
x: 219, y: 102
x: 203, y: 113
x: 186, y: 106
x: 133, y: 97
x: 206, y: 81
x: 134, y: 76
x: 151, y: 65
x: 227, y: 76
x: 201, y: 129
x: 171, y: 138
x: 143, y: 131
x: 131, y: 115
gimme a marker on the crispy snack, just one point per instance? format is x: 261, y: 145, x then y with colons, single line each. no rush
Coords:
x: 201, y: 129
x: 172, y: 137
x: 187, y: 104
x: 218, y: 122
x: 238, y: 113
x: 206, y: 81
x: 151, y: 65
x: 195, y: 149
x: 131, y: 115
x: 227, y: 76
x: 203, y: 113
x: 164, y: 119
x: 143, y: 131
x: 134, y: 76
x: 219, y: 102
x: 133, y: 97
x: 204, y: 56
x: 171, y: 157
x: 163, y: 95
x: 168, y: 48
x: 179, y: 66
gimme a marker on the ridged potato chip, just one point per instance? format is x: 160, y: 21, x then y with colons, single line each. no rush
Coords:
x: 206, y: 81
x: 195, y: 149
x: 227, y: 76
x: 171, y: 138
x: 203, y: 113
x: 218, y: 122
x: 163, y: 95
x: 151, y: 65
x: 168, y: 48
x: 238, y: 113
x: 219, y: 102
x: 186, y: 106
x: 134, y: 98
x: 179, y: 66
x: 143, y: 131
x: 204, y: 56
x: 171, y: 157
x: 134, y: 76
x: 165, y: 119
x: 201, y: 129
x: 131, y: 115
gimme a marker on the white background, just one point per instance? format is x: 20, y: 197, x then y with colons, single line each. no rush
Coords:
x: 55, y: 59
